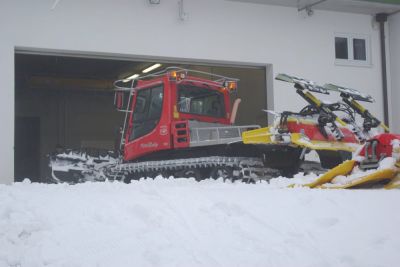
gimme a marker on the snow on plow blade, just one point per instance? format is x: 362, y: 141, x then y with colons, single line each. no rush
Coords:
x: 369, y: 179
x: 347, y: 175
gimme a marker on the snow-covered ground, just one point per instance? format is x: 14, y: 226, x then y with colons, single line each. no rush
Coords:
x: 180, y: 222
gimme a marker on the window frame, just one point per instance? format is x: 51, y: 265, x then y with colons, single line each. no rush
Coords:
x: 350, y: 50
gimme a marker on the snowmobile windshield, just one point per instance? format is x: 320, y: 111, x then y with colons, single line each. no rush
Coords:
x: 200, y: 101
x: 147, y: 111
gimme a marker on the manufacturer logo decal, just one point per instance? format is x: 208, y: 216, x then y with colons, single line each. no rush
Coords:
x: 163, y: 130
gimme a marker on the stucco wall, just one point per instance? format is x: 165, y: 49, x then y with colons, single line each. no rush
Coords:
x: 215, y: 30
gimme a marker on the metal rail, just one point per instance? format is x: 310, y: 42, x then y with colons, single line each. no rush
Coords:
x: 200, y: 136
x: 214, y: 78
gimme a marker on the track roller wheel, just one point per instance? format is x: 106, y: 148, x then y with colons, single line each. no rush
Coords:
x: 224, y: 172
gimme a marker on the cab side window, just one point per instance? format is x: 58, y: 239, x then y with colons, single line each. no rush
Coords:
x: 200, y: 101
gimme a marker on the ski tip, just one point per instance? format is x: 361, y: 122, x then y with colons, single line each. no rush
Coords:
x: 355, y: 94
x: 285, y: 78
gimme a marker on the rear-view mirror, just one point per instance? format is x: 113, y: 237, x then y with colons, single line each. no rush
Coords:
x: 121, y: 100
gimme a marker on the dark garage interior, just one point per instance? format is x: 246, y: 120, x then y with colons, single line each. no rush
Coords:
x: 67, y: 102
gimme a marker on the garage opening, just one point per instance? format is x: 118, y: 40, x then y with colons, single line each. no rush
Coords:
x: 67, y: 102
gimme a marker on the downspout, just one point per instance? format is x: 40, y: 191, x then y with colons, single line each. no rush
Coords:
x: 381, y: 18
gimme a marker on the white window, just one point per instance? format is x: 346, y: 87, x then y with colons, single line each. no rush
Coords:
x: 352, y: 49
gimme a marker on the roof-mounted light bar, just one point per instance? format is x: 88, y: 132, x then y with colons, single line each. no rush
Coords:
x: 230, y: 85
x: 177, y: 75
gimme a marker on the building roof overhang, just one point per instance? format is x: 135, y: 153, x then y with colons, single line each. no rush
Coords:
x: 371, y: 7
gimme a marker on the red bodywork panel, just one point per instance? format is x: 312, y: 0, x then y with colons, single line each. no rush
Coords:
x: 312, y: 132
x: 384, y: 146
x: 181, y: 134
x: 172, y: 130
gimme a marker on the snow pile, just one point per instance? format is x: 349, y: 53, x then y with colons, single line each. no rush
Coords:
x: 180, y: 222
x: 298, y: 180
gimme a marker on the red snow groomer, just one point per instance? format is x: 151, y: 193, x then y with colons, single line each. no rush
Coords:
x: 178, y: 123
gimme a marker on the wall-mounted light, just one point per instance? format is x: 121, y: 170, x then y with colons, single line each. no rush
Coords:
x: 308, y: 8
x: 153, y: 67
x: 182, y: 14
x: 154, y: 2
x: 309, y: 11
x: 127, y: 79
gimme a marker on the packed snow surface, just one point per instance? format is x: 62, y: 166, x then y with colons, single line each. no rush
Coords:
x: 181, y: 222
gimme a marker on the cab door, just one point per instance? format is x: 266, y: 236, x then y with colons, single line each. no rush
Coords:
x: 149, y: 123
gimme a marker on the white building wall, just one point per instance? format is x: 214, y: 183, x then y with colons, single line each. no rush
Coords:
x: 215, y: 30
x: 394, y: 51
x: 6, y: 111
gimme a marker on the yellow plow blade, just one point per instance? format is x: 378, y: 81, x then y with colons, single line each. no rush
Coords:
x: 257, y: 136
x: 378, y: 176
x: 394, y: 183
x: 342, y: 169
